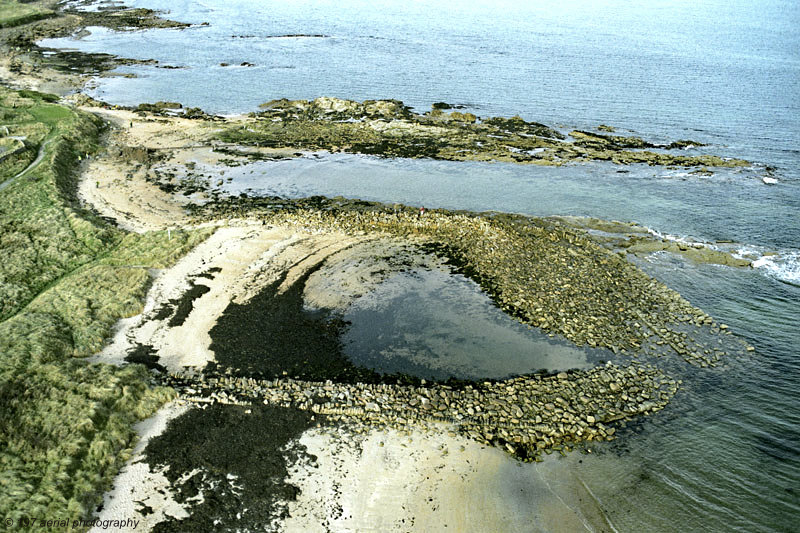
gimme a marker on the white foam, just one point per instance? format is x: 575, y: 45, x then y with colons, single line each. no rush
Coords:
x: 683, y: 239
x: 784, y: 266
x: 781, y: 264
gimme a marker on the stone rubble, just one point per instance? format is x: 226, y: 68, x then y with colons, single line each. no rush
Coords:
x: 525, y: 415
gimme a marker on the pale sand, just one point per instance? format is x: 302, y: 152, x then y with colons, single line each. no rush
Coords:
x: 237, y: 251
x: 249, y: 256
x: 116, y: 187
x: 159, y: 132
x: 136, y: 486
x: 135, y: 204
x: 428, y: 481
x: 431, y: 481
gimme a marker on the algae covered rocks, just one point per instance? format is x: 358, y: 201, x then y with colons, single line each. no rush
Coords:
x: 390, y: 128
x: 525, y: 416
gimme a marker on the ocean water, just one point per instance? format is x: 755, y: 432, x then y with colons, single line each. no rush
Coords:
x: 726, y: 454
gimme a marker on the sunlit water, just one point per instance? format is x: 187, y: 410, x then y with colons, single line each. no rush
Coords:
x: 726, y: 454
x: 437, y: 325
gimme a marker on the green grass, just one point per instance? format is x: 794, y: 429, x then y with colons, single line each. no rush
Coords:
x: 13, y: 13
x: 41, y: 236
x: 65, y: 278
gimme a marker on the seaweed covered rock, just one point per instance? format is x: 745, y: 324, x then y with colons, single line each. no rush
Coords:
x: 390, y: 128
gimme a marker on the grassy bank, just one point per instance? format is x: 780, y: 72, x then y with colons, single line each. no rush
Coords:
x: 13, y: 13
x: 66, y: 277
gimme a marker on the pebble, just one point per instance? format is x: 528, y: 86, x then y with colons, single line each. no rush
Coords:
x: 585, y: 406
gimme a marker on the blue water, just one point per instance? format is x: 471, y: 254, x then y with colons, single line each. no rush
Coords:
x: 715, y: 71
x: 726, y: 454
x: 670, y: 200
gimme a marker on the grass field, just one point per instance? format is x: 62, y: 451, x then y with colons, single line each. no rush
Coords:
x: 66, y: 277
x: 13, y: 13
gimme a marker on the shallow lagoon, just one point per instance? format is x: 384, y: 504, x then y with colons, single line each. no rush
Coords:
x: 730, y: 205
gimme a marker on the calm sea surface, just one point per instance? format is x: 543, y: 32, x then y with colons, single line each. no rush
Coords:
x: 726, y: 455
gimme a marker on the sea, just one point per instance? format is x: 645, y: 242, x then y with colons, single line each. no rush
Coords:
x: 725, y: 455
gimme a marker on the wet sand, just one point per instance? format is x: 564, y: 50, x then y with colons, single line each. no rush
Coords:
x: 431, y: 481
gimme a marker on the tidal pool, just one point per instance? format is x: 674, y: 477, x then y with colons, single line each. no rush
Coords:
x: 435, y: 324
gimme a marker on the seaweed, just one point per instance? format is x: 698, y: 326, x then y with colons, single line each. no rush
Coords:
x: 243, y: 456
x: 388, y: 128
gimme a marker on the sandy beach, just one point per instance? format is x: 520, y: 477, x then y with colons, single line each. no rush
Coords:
x: 140, y: 494
x: 375, y: 481
x: 152, y: 167
x: 223, y: 306
x: 385, y: 480
x: 431, y: 481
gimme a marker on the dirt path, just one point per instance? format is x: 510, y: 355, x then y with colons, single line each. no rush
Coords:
x: 35, y: 162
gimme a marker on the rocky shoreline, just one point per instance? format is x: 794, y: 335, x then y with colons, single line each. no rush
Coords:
x: 389, y: 128
x: 541, y: 271
x: 526, y: 416
x: 25, y: 64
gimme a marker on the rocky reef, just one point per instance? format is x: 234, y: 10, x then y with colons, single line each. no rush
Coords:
x: 60, y: 21
x: 392, y: 129
x: 632, y: 238
x: 23, y: 24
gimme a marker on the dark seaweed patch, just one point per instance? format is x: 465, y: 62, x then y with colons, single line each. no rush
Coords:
x: 164, y: 311
x: 273, y: 336
x: 186, y: 304
x: 210, y: 273
x: 181, y: 307
x: 146, y: 355
x: 243, y: 459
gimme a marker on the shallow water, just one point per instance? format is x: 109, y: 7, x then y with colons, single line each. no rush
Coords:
x: 726, y: 454
x: 437, y: 325
x: 732, y: 204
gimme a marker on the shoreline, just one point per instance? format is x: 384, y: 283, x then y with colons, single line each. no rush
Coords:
x: 251, y: 240
x: 455, y: 483
x: 125, y: 185
x: 201, y: 259
x: 203, y: 263
x: 140, y: 494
